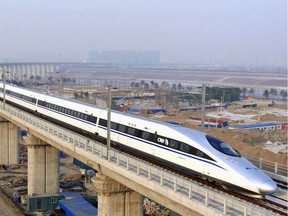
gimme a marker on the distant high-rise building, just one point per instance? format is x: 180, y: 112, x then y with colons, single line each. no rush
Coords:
x: 94, y: 56
x: 125, y: 57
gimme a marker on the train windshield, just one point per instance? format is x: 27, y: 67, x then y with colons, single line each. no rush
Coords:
x: 222, y: 146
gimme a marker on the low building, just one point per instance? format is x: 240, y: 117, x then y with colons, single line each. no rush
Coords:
x: 260, y: 126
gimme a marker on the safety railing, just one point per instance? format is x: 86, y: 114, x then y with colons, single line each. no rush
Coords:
x: 269, y: 166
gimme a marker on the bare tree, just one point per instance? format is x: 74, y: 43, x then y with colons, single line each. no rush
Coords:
x: 266, y: 93
x: 251, y: 92
x: 283, y: 94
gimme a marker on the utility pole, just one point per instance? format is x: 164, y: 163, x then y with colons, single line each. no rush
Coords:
x: 108, y: 121
x: 4, y: 86
x: 203, y: 106
x: 60, y: 73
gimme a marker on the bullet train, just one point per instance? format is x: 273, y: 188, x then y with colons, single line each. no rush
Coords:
x: 183, y: 148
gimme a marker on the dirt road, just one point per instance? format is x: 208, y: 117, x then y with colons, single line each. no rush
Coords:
x: 6, y: 207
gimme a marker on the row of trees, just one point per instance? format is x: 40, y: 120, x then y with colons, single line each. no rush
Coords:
x: 272, y: 93
x: 244, y: 92
x: 154, y: 85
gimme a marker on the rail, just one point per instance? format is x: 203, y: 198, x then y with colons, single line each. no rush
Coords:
x: 188, y: 190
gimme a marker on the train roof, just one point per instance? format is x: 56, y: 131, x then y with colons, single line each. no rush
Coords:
x: 186, y: 131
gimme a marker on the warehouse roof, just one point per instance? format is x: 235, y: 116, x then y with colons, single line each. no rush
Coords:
x: 248, y: 126
x: 77, y: 206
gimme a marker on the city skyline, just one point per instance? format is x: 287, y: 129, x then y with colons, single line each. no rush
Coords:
x: 191, y: 32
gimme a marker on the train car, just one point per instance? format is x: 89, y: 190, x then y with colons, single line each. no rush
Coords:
x: 189, y: 150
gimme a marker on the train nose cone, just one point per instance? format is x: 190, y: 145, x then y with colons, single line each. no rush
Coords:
x: 268, y: 187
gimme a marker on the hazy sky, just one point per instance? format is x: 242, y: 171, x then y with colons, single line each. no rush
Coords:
x: 232, y: 31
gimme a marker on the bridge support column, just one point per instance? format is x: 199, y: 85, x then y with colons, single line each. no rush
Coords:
x: 9, y: 142
x: 43, y: 167
x: 115, y: 198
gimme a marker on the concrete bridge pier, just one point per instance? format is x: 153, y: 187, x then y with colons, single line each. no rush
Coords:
x: 43, y: 167
x: 115, y: 198
x: 9, y: 142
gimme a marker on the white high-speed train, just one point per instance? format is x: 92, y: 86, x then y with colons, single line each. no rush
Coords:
x: 184, y: 148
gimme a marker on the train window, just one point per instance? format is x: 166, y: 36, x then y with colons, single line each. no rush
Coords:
x: 199, y: 153
x: 93, y: 119
x: 88, y: 118
x: 103, y: 122
x: 207, y: 157
x: 85, y: 117
x: 114, y: 125
x: 132, y: 131
x: 122, y: 128
x: 174, y: 144
x: 81, y: 116
x: 222, y: 146
x: 145, y: 135
x: 184, y: 147
x: 138, y: 133
x: 192, y: 150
